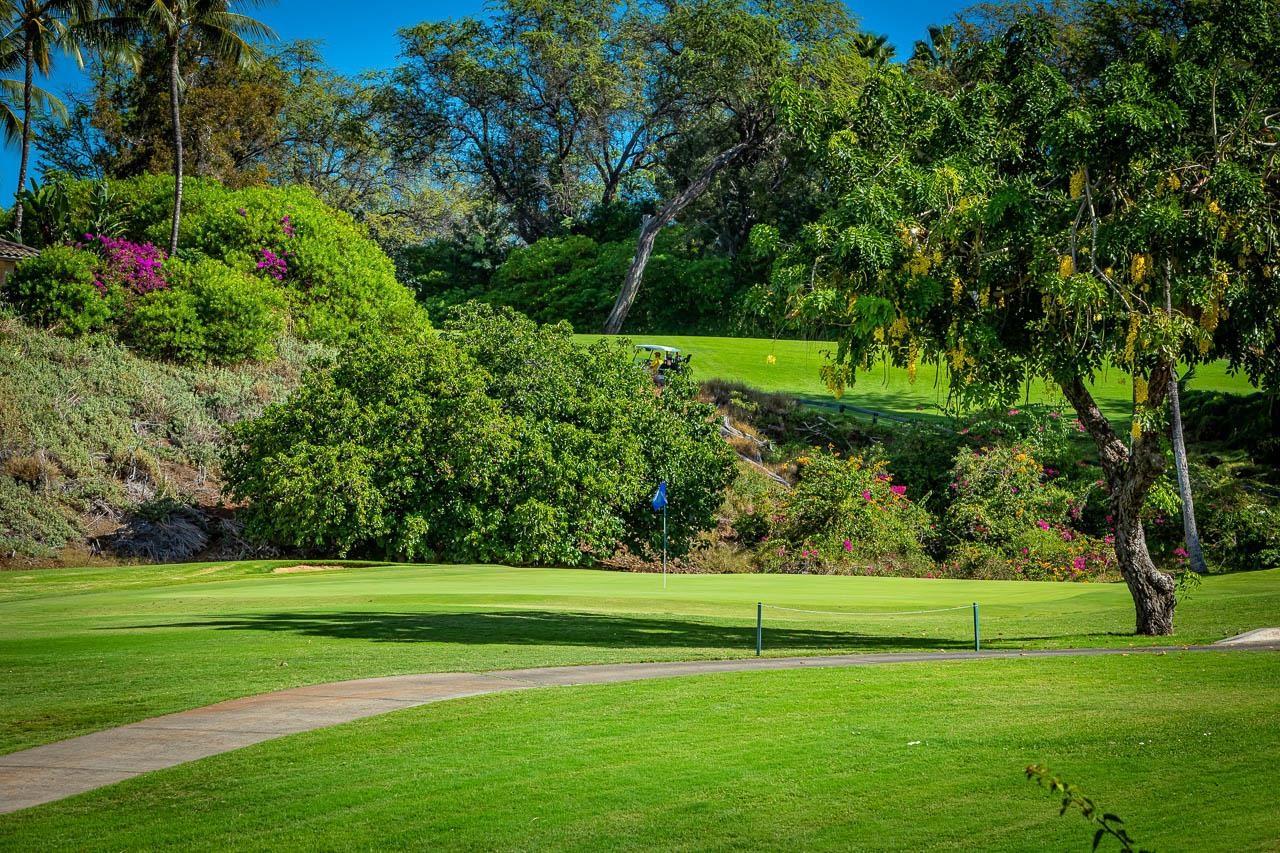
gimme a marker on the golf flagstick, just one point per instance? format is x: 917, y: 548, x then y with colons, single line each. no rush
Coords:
x: 660, y: 502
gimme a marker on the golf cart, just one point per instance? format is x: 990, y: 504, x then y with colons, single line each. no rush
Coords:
x: 661, y: 361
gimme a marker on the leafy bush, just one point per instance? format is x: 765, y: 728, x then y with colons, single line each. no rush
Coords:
x: 844, y: 512
x: 167, y: 325
x: 59, y: 289
x: 212, y: 313
x: 1009, y: 518
x: 500, y: 441
x: 335, y: 279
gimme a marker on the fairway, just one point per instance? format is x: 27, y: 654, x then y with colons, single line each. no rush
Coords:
x: 796, y: 365
x: 912, y: 756
x: 89, y: 649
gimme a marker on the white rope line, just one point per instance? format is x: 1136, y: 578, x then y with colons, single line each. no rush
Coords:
x: 882, y: 613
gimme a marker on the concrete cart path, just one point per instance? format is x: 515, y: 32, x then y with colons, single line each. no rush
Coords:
x: 57, y: 770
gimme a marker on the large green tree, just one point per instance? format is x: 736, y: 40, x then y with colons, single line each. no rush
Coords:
x: 1049, y: 206
x: 547, y: 106
x: 731, y: 65
x: 497, y: 441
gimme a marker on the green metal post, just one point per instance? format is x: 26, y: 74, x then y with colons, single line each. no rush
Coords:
x: 759, y: 627
x: 977, y: 644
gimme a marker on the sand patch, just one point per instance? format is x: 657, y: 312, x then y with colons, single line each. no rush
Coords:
x: 305, y: 567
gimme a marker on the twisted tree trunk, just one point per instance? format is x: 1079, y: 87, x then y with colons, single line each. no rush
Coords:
x: 177, y: 144
x: 1130, y: 474
x: 652, y: 225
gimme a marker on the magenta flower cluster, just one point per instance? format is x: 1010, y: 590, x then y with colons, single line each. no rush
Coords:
x: 135, y: 266
x: 274, y: 265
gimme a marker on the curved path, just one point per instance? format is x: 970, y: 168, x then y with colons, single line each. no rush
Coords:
x: 62, y: 769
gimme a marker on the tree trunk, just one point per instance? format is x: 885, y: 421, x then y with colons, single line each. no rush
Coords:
x: 649, y: 232
x: 1130, y: 474
x: 29, y: 60
x: 177, y: 145
x: 1189, y: 531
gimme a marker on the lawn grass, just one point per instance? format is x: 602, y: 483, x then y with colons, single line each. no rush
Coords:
x: 88, y: 649
x: 903, y: 757
x: 796, y: 365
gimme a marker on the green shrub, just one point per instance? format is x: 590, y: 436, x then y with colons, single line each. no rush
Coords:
x: 844, y: 513
x: 166, y: 324
x: 1009, y: 518
x: 500, y: 442
x: 58, y: 290
x: 335, y: 279
x: 210, y: 314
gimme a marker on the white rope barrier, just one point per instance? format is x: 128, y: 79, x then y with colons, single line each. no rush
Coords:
x: 881, y: 613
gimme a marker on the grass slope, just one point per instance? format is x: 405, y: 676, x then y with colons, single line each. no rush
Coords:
x: 906, y: 757
x: 796, y: 365
x: 93, y: 648
x: 89, y: 431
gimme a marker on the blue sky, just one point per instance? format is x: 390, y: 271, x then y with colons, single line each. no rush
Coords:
x: 360, y: 35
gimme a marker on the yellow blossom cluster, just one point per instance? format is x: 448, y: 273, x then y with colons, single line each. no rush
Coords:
x: 1131, y: 339
x: 1136, y: 429
x: 957, y: 289
x: 1215, y: 208
x: 919, y: 264
x: 1138, y: 268
x: 1140, y: 388
x: 1077, y: 182
x: 1066, y: 266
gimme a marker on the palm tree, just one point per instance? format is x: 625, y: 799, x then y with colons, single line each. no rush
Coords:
x: 876, y: 49
x: 34, y: 29
x: 179, y: 24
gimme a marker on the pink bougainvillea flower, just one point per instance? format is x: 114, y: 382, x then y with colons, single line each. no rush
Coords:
x: 1079, y: 564
x: 1179, y: 551
x: 1013, y: 412
x: 866, y: 495
x: 848, y: 546
x: 1042, y: 524
x: 883, y: 477
x: 898, y: 490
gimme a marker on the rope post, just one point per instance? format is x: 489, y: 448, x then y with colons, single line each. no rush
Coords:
x: 759, y: 627
x: 977, y: 643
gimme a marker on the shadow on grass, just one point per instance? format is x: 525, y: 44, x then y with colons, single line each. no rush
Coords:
x: 552, y: 628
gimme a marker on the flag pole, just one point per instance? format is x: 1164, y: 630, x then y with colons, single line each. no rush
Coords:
x: 664, y: 546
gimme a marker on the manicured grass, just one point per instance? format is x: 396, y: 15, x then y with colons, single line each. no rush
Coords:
x: 796, y: 366
x: 904, y: 757
x: 88, y: 649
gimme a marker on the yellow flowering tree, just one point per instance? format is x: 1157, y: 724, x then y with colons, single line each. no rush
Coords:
x: 1073, y: 197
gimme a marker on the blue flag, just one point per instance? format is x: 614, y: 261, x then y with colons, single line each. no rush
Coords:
x: 660, y: 499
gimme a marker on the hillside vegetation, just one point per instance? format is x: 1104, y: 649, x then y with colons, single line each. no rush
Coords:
x: 96, y: 441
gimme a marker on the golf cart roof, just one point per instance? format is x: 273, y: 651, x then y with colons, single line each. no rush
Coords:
x: 656, y: 348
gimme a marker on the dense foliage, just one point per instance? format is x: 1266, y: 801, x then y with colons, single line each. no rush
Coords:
x: 1049, y: 200
x: 575, y: 278
x: 495, y: 441
x: 248, y: 260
